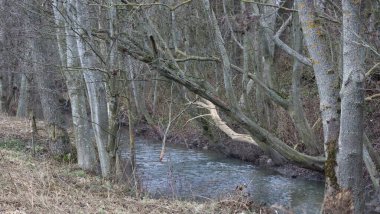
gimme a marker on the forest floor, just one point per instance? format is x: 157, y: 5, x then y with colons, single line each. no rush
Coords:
x: 38, y: 184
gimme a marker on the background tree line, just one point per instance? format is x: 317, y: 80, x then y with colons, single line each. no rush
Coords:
x: 254, y: 70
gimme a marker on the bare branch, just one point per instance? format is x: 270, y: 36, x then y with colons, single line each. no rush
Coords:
x: 197, y: 58
x: 270, y: 5
x: 369, y: 72
x: 275, y: 96
x: 171, y: 8
x: 286, y: 48
x: 370, y: 98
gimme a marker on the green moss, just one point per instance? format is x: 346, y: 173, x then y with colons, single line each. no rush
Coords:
x: 12, y: 144
x: 330, y: 164
x: 78, y: 173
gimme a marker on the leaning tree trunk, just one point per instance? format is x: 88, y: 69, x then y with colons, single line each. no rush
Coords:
x: 166, y: 65
x: 349, y: 159
x: 227, y: 77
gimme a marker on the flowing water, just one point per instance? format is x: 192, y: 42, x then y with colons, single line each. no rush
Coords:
x: 194, y: 174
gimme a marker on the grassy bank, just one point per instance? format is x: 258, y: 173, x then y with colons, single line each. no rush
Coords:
x: 38, y: 184
x: 33, y: 186
x: 30, y: 185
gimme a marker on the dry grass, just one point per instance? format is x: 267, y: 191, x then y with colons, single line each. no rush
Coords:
x: 20, y: 129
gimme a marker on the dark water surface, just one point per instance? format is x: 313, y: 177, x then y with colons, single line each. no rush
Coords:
x: 194, y: 174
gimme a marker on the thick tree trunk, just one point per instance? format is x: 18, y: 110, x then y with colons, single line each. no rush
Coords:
x: 94, y: 79
x: 349, y: 158
x: 327, y: 78
x: 327, y: 83
x: 113, y: 86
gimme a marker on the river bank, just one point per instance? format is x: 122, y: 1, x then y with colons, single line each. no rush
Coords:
x: 31, y: 185
x: 39, y: 184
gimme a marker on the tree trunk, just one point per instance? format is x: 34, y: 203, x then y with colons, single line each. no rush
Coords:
x: 45, y: 58
x: 94, y: 80
x: 296, y: 110
x: 349, y: 158
x: 327, y: 83
x: 68, y: 50
x: 2, y: 63
x: 24, y: 97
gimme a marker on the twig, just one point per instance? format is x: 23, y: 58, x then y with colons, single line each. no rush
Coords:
x: 316, y: 123
x: 16, y: 188
x: 366, y: 45
x: 369, y: 72
x: 196, y: 117
x: 169, y: 124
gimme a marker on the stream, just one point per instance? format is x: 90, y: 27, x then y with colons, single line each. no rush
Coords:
x: 202, y: 175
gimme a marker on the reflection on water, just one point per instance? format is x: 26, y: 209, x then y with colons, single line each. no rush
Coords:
x: 203, y: 174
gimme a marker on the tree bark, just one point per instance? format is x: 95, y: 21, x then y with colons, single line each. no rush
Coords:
x: 349, y: 158
x: 327, y: 83
x: 24, y: 100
